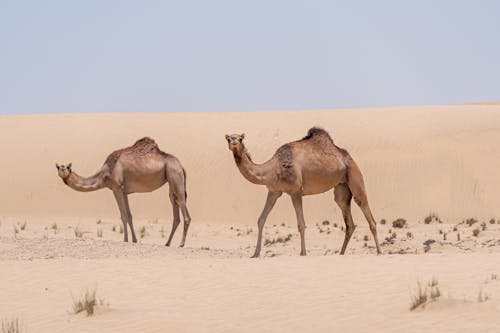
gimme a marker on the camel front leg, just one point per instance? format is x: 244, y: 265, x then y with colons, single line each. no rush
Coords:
x: 297, y: 204
x: 122, y: 200
x: 270, y: 201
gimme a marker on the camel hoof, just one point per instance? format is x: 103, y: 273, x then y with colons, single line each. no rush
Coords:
x: 254, y: 256
x: 167, y: 244
x: 182, y: 245
x: 302, y: 254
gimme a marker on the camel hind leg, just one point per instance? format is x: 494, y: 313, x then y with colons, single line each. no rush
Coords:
x: 176, y: 221
x: 343, y: 198
x: 357, y: 187
x: 187, y: 220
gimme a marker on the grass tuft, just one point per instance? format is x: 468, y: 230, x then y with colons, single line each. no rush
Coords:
x: 142, y: 232
x: 87, y: 303
x: 279, y: 239
x: 482, y: 297
x: 424, y: 294
x: 12, y: 326
x: 78, y: 232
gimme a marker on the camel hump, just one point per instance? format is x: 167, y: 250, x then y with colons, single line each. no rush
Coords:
x: 317, y: 132
x: 145, y: 141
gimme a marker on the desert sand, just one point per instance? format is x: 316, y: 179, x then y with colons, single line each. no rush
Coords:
x: 417, y: 162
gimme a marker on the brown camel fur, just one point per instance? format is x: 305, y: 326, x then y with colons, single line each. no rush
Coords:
x: 309, y: 166
x: 140, y: 168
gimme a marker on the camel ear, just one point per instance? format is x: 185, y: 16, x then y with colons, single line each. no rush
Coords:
x: 227, y: 137
x: 69, y: 165
x: 242, y: 136
x: 57, y: 166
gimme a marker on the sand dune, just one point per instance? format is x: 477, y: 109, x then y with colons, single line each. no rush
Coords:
x: 415, y: 160
x: 55, y: 242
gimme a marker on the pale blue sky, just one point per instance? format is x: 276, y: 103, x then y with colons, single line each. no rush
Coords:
x: 120, y: 56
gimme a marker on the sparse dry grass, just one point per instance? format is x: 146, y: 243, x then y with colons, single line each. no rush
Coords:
x: 54, y: 227
x: 325, y: 222
x: 99, y: 233
x: 22, y: 226
x: 99, y: 221
x: 476, y: 232
x: 78, y: 232
x: 409, y: 235
x: 482, y: 297
x: 383, y: 221
x: 492, y: 221
x: 279, y: 239
x: 425, y: 294
x: 12, y: 326
x: 142, y: 232
x: 87, y: 303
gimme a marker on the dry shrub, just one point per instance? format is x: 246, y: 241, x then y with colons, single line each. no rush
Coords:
x: 470, y: 221
x: 399, y: 223
x: 383, y: 221
x: 476, y: 232
x: 431, y: 218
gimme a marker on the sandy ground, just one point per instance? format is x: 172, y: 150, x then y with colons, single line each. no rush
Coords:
x: 55, y: 243
x: 212, y: 285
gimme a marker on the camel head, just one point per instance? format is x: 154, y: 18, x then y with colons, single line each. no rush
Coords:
x: 235, y: 142
x: 63, y: 170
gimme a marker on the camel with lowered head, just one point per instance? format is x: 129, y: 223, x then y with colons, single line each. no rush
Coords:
x: 140, y: 168
x: 308, y: 166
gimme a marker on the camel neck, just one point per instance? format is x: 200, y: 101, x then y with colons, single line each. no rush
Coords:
x: 254, y: 173
x: 82, y: 184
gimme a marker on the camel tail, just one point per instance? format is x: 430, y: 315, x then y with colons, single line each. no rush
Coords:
x: 185, y: 189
